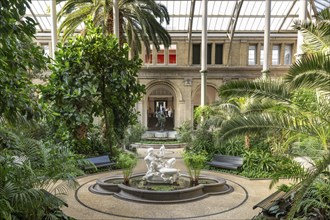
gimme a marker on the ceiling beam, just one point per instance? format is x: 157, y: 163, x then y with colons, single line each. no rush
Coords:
x: 232, y: 25
x: 287, y: 15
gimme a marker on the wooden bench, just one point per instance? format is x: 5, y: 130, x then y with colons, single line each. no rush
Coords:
x: 227, y: 162
x: 98, y: 162
x: 278, y: 203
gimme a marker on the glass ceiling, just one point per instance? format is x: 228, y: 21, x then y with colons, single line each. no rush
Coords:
x: 221, y: 14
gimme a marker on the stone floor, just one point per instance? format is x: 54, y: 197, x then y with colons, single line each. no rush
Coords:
x: 236, y: 205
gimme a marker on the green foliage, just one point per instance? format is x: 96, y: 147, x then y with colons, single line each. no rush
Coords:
x: 127, y: 162
x: 185, y: 132
x: 92, y: 77
x: 316, y: 200
x: 234, y: 147
x: 202, y: 112
x: 262, y: 164
x: 20, y: 57
x: 140, y: 21
x: 194, y: 163
x: 134, y: 134
x: 29, y: 172
x: 202, y: 141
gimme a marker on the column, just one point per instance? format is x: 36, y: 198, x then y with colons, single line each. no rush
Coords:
x: 54, y: 27
x: 265, y: 68
x: 302, y: 18
x: 204, y: 53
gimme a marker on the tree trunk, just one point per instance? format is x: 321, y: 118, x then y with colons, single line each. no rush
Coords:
x: 107, y: 135
x: 247, y: 142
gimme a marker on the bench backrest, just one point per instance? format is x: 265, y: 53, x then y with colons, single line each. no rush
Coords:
x: 228, y: 159
x: 99, y: 160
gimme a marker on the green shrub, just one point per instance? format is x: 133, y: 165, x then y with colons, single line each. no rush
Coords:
x: 261, y: 164
x: 127, y: 162
x: 194, y: 162
x: 134, y: 134
x: 185, y: 132
x: 202, y: 142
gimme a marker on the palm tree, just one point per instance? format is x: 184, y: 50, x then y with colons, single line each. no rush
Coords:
x: 311, y: 73
x: 139, y: 20
x: 234, y: 107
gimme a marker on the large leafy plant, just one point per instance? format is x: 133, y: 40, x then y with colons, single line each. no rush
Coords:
x: 310, y: 73
x: 20, y: 57
x: 93, y: 77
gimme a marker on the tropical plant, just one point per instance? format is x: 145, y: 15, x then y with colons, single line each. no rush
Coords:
x: 233, y: 107
x: 20, y: 58
x: 93, y: 77
x: 316, y: 201
x: 139, y: 20
x: 312, y: 73
x: 194, y: 163
x: 33, y: 175
x: 202, y: 142
x: 127, y: 162
x: 134, y: 134
x: 184, y: 132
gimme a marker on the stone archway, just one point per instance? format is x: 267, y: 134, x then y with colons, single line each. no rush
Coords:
x: 211, y: 95
x: 160, y: 97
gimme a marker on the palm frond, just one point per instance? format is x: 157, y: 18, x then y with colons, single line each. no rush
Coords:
x: 274, y: 89
x: 310, y: 177
x: 256, y: 123
x: 312, y: 71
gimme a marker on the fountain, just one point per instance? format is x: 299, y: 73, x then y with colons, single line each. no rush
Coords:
x: 162, y: 183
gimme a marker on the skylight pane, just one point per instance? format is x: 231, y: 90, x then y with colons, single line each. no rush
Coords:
x: 198, y: 8
x: 217, y: 6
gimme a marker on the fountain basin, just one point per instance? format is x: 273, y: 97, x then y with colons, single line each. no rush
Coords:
x: 109, y: 186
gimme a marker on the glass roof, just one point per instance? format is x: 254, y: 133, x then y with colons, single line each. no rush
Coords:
x: 221, y: 14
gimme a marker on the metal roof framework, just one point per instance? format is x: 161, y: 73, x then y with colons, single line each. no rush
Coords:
x: 224, y: 16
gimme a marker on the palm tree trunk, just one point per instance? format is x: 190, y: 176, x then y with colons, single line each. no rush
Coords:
x: 247, y: 142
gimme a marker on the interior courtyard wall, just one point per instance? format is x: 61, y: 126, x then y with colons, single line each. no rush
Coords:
x: 184, y: 79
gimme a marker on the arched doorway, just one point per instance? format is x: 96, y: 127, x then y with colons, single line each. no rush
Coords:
x: 211, y: 97
x: 160, y: 98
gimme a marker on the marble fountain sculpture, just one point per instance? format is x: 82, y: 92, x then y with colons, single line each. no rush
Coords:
x: 161, y: 174
x: 159, y: 169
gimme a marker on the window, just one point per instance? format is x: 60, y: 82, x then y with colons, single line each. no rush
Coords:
x: 288, y: 54
x: 219, y: 54
x: 196, y: 59
x: 161, y: 55
x: 209, y: 53
x: 262, y: 55
x: 276, y: 55
x: 172, y: 54
x: 252, y: 55
x: 197, y: 53
x: 148, y: 60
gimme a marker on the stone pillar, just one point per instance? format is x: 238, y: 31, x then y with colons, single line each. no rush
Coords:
x: 302, y: 18
x: 265, y: 68
x: 204, y: 53
x: 54, y: 28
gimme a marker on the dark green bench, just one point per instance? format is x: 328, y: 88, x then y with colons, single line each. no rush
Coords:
x: 226, y: 162
x: 98, y: 162
x: 278, y: 203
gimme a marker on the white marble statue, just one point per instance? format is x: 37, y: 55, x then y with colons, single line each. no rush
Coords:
x: 159, y: 169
